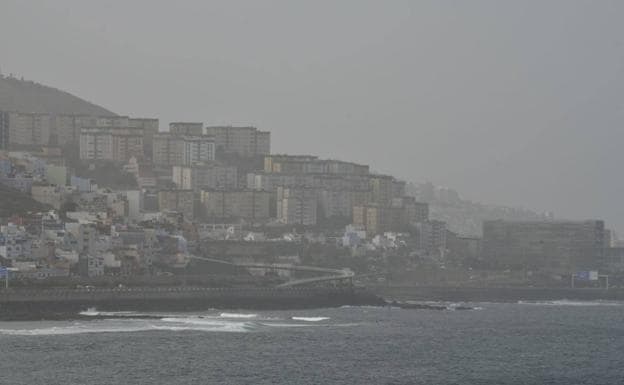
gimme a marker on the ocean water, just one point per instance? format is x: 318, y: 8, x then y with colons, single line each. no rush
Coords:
x: 559, y: 342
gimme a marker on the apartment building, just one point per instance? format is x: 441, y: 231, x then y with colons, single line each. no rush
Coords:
x: 297, y: 206
x: 27, y: 129
x: 4, y: 130
x: 176, y: 150
x: 167, y: 150
x: 209, y: 176
x: 181, y: 201
x: 270, y: 182
x: 308, y: 164
x: 378, y: 219
x: 150, y: 128
x: 243, y: 141
x: 117, y: 144
x: 563, y: 246
x: 248, y: 205
x: 186, y: 128
x: 197, y: 149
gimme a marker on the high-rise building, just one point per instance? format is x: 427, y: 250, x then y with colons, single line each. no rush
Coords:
x: 150, y: 128
x: 249, y: 205
x: 176, y: 150
x: 167, y: 150
x: 117, y: 144
x: 96, y: 144
x: 210, y: 176
x: 186, y: 128
x: 431, y: 236
x: 197, y: 149
x: 243, y: 141
x: 26, y: 129
x: 308, y: 164
x: 4, y: 130
x: 561, y: 246
x: 296, y: 206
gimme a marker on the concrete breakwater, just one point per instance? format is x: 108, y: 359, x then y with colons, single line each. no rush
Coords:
x: 64, y: 303
x: 495, y: 294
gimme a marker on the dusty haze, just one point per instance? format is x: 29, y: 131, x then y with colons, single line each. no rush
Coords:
x: 518, y: 103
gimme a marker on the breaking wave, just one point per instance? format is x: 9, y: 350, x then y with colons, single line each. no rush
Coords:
x: 133, y: 325
x: 309, y: 319
x: 237, y: 315
x: 565, y: 302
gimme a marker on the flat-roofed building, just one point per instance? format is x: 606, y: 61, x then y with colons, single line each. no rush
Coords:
x: 186, y: 128
x: 382, y: 189
x: 150, y: 128
x: 297, y: 206
x: 377, y: 219
x: 209, y: 176
x: 4, y: 130
x: 29, y: 129
x: 167, y: 149
x: 243, y: 141
x: 178, y: 150
x: 308, y: 164
x: 561, y: 246
x: 67, y: 128
x: 248, y: 205
x: 270, y: 181
x: 117, y: 144
x: 197, y: 149
x: 96, y: 144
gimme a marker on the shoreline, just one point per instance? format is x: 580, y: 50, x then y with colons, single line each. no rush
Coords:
x: 501, y: 294
x: 64, y: 304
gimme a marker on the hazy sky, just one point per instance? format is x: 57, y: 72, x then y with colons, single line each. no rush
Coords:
x: 518, y: 103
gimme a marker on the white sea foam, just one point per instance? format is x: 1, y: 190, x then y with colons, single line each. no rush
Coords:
x: 565, y: 302
x: 310, y: 319
x: 237, y: 315
x: 92, y: 312
x: 126, y: 326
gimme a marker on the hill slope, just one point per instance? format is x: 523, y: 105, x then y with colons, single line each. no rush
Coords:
x: 28, y: 96
x: 13, y: 202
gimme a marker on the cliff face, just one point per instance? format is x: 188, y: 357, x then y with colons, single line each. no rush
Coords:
x: 28, y: 96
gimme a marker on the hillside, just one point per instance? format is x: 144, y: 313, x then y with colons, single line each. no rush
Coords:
x: 28, y: 96
x: 462, y: 216
x: 17, y: 203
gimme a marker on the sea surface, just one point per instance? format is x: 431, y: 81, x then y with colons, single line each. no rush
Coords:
x: 558, y: 342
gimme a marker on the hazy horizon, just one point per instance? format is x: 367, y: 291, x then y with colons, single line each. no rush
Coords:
x: 519, y: 103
